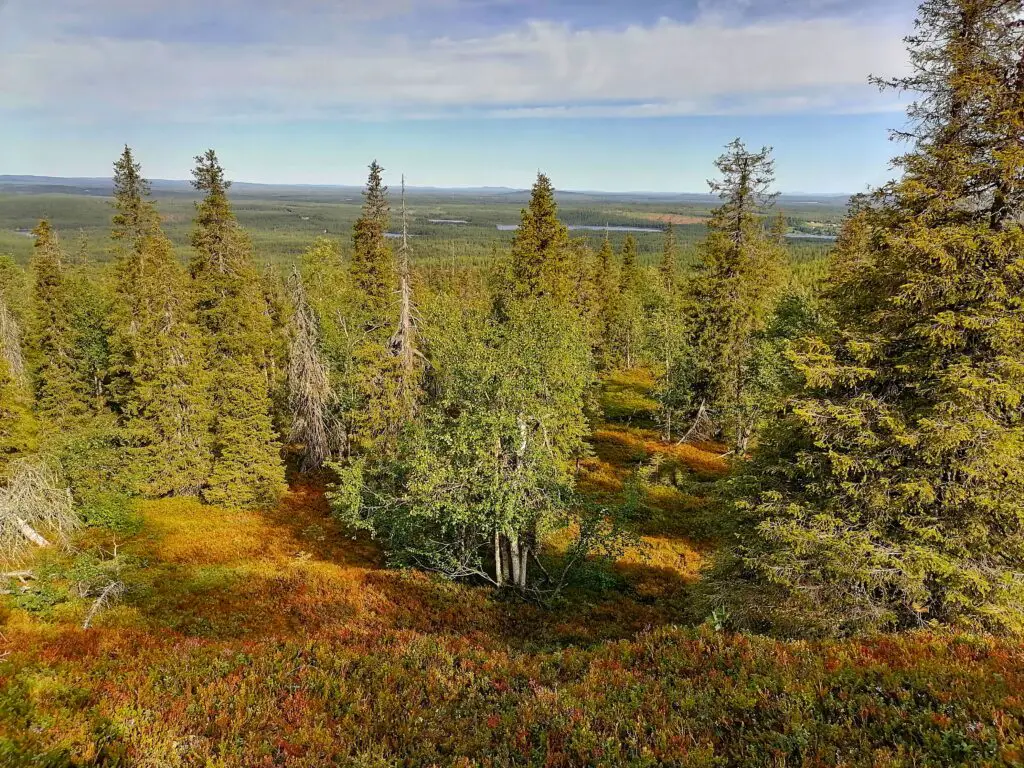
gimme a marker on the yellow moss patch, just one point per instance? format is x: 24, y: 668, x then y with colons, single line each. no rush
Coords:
x: 623, y: 446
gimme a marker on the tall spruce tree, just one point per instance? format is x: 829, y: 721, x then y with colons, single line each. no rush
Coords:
x: 629, y: 323
x: 247, y: 468
x: 62, y: 394
x: 738, y: 283
x: 892, y: 494
x: 607, y: 295
x: 159, y: 368
x: 668, y: 267
x: 540, y: 263
x: 372, y: 383
x: 373, y: 263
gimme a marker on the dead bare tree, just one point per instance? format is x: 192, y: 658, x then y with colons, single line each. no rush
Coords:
x: 703, y: 427
x: 310, y: 395
x: 34, y: 500
x: 403, y: 341
x: 10, y: 344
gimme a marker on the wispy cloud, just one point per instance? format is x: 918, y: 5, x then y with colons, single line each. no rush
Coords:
x: 115, y: 57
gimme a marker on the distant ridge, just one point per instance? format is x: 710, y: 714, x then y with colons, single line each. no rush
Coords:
x: 103, y: 187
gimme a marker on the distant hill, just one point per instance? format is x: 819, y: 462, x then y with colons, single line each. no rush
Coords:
x: 100, y: 187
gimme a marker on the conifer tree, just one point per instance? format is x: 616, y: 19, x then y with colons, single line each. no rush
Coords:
x: 372, y: 380
x: 629, y: 321
x: 62, y: 394
x: 540, y: 249
x: 608, y: 292
x: 668, y: 267
x: 373, y: 263
x: 740, y: 275
x: 166, y: 409
x: 135, y: 214
x: 232, y: 314
x: 892, y: 494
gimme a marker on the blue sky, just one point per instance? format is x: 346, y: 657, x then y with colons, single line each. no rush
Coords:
x: 600, y: 94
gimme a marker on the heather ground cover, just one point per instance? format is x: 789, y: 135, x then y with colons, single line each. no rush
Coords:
x: 277, y: 638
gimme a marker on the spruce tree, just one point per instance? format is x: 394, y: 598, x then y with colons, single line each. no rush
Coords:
x: 540, y: 249
x: 372, y: 381
x: 166, y: 409
x: 135, y: 214
x: 607, y: 295
x: 232, y: 314
x: 737, y: 285
x: 164, y: 400
x: 373, y: 263
x: 158, y: 376
x: 892, y: 494
x: 629, y: 322
x: 668, y: 267
x: 62, y: 393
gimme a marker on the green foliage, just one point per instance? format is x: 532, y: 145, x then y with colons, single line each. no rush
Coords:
x: 628, y: 321
x: 95, y: 458
x: 479, y: 481
x: 493, y: 454
x: 159, y: 382
x: 373, y: 265
x: 737, y: 285
x: 112, y: 511
x: 62, y: 393
x: 540, y: 258
x: 891, y: 494
x: 232, y: 313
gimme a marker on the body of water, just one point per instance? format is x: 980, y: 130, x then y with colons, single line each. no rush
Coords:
x: 448, y: 221
x: 807, y: 236
x: 588, y: 228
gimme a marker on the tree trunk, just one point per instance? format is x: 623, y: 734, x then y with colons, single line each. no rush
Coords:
x: 524, y: 559
x: 498, y: 571
x: 513, y: 549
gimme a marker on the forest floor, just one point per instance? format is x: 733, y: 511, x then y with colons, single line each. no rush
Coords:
x: 278, y: 639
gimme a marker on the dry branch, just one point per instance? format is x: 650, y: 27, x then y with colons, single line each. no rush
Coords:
x: 33, y: 500
x: 111, y: 592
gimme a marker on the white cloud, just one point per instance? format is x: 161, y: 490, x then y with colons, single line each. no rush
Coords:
x: 537, y: 69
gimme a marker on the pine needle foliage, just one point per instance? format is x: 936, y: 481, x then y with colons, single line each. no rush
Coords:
x: 540, y: 261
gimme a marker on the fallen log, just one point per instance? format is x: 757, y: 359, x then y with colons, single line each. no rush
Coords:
x: 30, y: 533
